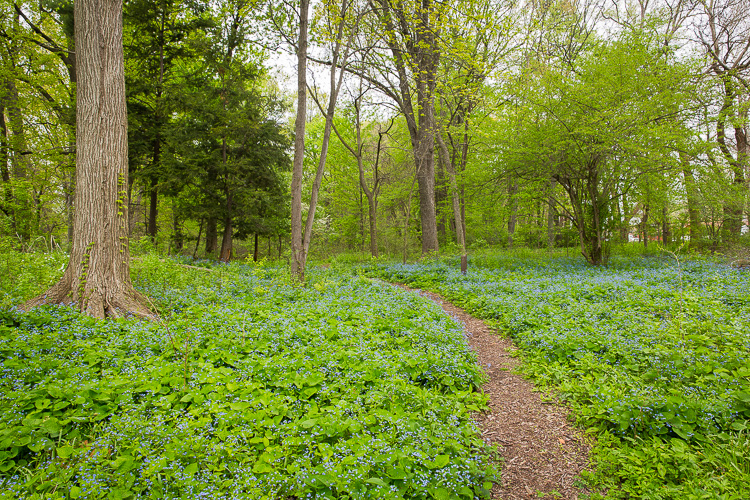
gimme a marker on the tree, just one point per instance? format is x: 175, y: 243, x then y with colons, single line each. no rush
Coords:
x: 724, y: 33
x: 97, y: 277
x: 598, y: 127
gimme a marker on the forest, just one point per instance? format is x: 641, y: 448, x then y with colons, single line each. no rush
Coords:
x: 222, y: 226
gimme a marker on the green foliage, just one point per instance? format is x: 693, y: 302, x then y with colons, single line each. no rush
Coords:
x: 250, y: 387
x: 654, y: 358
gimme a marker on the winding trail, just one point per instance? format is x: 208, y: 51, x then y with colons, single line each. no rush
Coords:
x: 542, y: 452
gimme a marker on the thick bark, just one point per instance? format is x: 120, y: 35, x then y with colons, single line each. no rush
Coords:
x: 225, y: 255
x: 97, y: 278
x: 255, y: 250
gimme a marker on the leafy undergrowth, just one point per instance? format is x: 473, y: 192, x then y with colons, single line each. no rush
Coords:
x: 250, y: 388
x: 656, y: 359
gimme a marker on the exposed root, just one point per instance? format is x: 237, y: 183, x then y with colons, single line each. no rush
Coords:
x: 108, y: 303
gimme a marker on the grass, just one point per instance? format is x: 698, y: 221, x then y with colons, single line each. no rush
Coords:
x: 250, y: 387
x: 654, y: 358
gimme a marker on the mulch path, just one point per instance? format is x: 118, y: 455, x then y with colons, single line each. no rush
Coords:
x: 542, y: 452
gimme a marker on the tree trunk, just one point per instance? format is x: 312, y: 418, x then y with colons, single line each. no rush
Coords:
x: 212, y: 235
x: 225, y: 254
x: 97, y: 278
x: 198, y: 239
x: 298, y: 254
x: 255, y: 250
x: 513, y: 206
x: 644, y: 224
x: 152, y: 208
x: 443, y: 157
x: 692, y: 203
x: 734, y: 204
x: 424, y: 157
x: 551, y: 216
x: 4, y: 166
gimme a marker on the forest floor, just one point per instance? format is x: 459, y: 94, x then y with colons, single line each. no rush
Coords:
x: 542, y: 452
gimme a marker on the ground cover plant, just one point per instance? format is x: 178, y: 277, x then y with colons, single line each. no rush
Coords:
x: 654, y: 357
x: 249, y: 387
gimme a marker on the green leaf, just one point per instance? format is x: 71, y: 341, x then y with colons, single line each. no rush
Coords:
x: 191, y: 469
x: 75, y: 492
x: 309, y: 423
x: 65, y: 451
x: 441, y: 461
x: 262, y: 467
x: 377, y: 481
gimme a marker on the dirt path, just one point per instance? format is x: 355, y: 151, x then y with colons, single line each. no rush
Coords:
x: 543, y: 453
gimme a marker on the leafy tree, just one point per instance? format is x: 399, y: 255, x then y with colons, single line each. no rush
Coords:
x: 598, y: 127
x: 155, y: 34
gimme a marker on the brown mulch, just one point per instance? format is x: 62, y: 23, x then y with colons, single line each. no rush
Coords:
x: 542, y: 452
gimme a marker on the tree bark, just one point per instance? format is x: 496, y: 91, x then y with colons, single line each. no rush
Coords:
x: 198, y: 239
x: 644, y: 224
x: 152, y: 209
x: 513, y: 206
x: 692, y: 202
x: 551, y: 215
x: 225, y: 254
x: 443, y: 157
x: 421, y: 55
x: 298, y: 254
x: 97, y: 278
x: 211, y: 235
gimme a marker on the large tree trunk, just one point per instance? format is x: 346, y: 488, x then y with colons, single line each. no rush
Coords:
x: 97, y: 278
x: 225, y: 254
x: 424, y: 156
